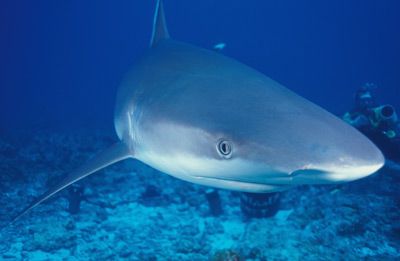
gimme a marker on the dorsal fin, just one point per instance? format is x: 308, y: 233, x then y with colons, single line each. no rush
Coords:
x: 160, y: 30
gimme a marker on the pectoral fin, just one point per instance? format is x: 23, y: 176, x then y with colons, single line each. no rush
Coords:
x: 115, y: 153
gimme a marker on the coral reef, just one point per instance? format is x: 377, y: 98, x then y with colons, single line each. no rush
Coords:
x: 132, y: 212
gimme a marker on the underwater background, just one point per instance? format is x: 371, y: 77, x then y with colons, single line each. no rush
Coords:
x: 60, y: 66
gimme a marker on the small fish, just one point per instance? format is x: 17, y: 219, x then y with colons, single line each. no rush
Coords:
x: 219, y: 46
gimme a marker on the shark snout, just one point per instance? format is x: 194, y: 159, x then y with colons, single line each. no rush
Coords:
x: 347, y: 167
x: 358, y: 163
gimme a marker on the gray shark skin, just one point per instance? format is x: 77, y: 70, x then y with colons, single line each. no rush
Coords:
x: 208, y: 119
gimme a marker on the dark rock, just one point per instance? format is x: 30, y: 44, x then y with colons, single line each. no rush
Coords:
x: 226, y: 255
x: 70, y: 225
x: 152, y: 196
x: 214, y: 202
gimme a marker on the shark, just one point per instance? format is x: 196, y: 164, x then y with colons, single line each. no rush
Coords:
x: 208, y: 119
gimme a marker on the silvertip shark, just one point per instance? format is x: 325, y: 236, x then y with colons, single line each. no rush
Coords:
x: 205, y: 118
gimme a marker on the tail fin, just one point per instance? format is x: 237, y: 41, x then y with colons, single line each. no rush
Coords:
x: 115, y: 153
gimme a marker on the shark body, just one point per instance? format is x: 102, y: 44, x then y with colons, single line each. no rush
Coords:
x: 208, y: 119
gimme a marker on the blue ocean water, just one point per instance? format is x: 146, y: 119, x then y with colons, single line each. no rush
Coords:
x: 60, y: 67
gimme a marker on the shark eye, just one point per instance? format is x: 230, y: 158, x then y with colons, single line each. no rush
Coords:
x: 224, y: 148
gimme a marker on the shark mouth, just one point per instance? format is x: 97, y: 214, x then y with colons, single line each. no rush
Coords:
x: 241, y: 185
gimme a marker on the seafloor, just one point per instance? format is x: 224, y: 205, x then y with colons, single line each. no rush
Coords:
x: 120, y: 219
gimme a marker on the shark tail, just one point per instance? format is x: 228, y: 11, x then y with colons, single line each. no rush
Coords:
x: 115, y: 153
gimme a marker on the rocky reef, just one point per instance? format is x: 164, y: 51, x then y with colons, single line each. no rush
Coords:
x: 132, y: 212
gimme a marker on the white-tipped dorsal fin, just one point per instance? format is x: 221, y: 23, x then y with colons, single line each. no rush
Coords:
x: 160, y: 30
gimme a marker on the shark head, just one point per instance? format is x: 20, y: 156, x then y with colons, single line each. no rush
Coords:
x: 255, y: 155
x: 225, y: 125
x: 208, y: 119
